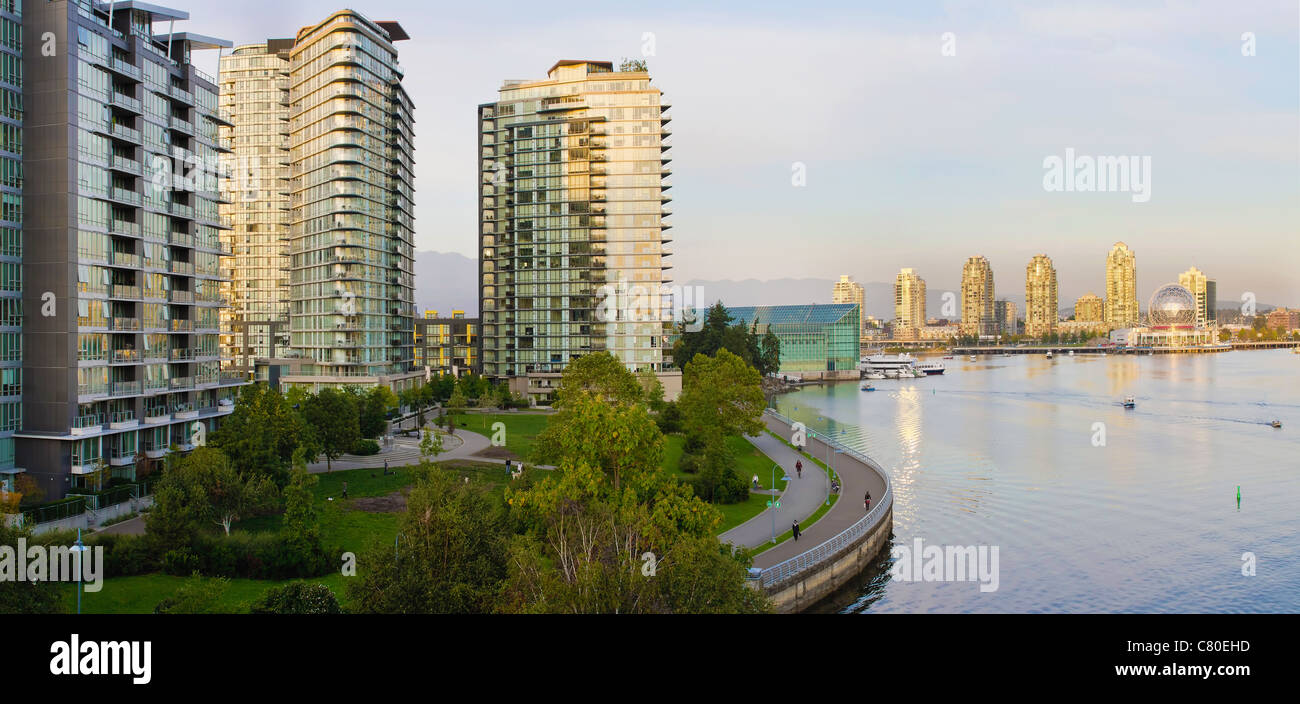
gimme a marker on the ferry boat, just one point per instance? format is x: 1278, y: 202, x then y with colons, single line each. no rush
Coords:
x: 930, y: 368
x: 886, y: 362
x: 1129, y: 402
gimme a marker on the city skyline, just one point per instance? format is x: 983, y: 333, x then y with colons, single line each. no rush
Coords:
x: 1227, y: 168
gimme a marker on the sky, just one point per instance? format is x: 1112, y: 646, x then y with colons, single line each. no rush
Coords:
x: 921, y: 128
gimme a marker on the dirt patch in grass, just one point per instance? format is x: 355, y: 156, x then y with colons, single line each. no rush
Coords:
x: 390, y: 503
x: 497, y: 453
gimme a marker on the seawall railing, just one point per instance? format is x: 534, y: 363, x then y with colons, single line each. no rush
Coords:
x: 790, y: 569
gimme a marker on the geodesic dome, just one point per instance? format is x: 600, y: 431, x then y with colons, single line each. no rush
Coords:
x: 1172, y: 306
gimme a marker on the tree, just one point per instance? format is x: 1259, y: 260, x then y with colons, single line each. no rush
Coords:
x: 771, y: 354
x: 26, y: 596
x: 263, y: 433
x: 450, y: 555
x: 225, y: 495
x: 455, y: 404
x: 372, y: 409
x: 602, y: 375
x: 430, y: 445
x: 721, y: 396
x: 333, y: 415
x: 301, y: 525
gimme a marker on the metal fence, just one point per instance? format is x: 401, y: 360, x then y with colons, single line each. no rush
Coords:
x: 86, y: 502
x: 793, y: 567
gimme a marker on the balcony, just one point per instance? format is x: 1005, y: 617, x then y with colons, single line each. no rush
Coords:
x: 181, y: 382
x: 123, y: 195
x: 123, y: 132
x: 127, y: 260
x: 124, y: 324
x: 178, y: 296
x: 127, y: 291
x: 125, y: 228
x: 155, y: 415
x: 182, y: 326
x: 125, y: 102
x: 179, y: 267
x: 122, y: 420
x: 84, y: 464
x: 181, y: 94
x: 125, y: 356
x: 88, y: 424
x: 126, y: 68
x: 181, y: 125
x: 126, y: 165
x: 181, y: 354
x: 124, y: 388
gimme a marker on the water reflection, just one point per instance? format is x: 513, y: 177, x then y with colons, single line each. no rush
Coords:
x: 1001, y: 453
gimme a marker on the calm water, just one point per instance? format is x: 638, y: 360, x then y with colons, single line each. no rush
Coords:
x: 1000, y: 452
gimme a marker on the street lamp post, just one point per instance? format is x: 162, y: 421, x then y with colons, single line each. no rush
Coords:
x: 79, y: 548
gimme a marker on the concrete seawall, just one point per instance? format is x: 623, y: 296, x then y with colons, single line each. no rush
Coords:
x: 847, y: 541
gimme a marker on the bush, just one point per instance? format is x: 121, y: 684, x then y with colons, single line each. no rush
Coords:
x: 669, y: 419
x: 125, y: 555
x: 365, y: 446
x: 180, y: 562
x: 297, y: 598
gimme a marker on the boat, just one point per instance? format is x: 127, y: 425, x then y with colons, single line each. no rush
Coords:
x: 1276, y: 424
x: 915, y: 373
x: 892, y: 373
x: 930, y: 368
x: 868, y: 387
x: 1049, y: 354
x: 886, y: 362
x: 972, y: 358
x: 875, y: 375
x: 948, y: 356
x: 1071, y: 353
x: 1129, y: 402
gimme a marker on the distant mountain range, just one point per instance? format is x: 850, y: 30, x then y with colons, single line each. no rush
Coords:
x: 445, y: 281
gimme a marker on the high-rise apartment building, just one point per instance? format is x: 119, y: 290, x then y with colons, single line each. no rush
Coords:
x: 849, y: 291
x: 11, y: 237
x: 351, y: 249
x: 1121, y: 287
x: 254, y: 83
x: 1041, y: 309
x: 909, y: 305
x: 121, y: 245
x: 573, y: 232
x: 1206, y: 291
x: 1089, y: 308
x: 1005, y: 313
x: 977, y: 315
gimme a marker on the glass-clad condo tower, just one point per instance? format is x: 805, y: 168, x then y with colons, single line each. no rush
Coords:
x: 11, y: 237
x: 572, y: 213
x: 254, y: 82
x: 121, y: 244
x: 351, y: 234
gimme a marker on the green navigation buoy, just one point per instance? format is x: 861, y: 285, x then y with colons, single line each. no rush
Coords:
x: 1238, y: 496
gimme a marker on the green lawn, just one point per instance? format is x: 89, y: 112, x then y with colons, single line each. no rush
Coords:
x: 521, y: 428
x: 344, y: 526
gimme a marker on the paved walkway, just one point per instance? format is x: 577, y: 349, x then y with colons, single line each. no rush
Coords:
x: 134, y: 526
x: 858, y: 479
x: 800, y: 499
x: 406, y: 451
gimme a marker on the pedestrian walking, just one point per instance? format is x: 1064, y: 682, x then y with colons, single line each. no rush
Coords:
x: 866, y: 503
x: 385, y: 468
x: 798, y: 468
x: 795, y: 529
x: 755, y: 482
x: 345, y: 490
